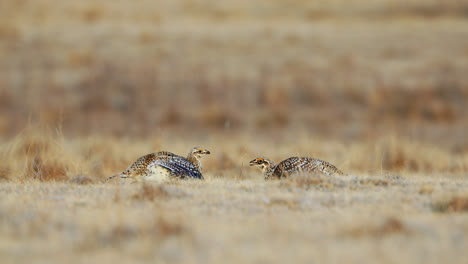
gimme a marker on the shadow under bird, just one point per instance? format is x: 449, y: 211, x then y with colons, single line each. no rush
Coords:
x: 294, y: 165
x: 164, y: 165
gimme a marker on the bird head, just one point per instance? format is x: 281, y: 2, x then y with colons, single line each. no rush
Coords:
x: 261, y: 162
x: 198, y: 152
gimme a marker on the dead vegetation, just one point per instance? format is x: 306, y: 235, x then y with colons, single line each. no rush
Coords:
x: 390, y: 226
x: 151, y: 192
x: 160, y: 229
x: 318, y: 73
x: 82, y: 180
x: 46, y: 155
x: 378, y: 88
x: 313, y: 181
x: 148, y: 223
x: 41, y: 171
x: 456, y: 204
x: 4, y: 173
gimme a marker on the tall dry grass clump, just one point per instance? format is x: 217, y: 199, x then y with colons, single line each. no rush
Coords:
x: 44, y: 154
x: 36, y: 155
x: 47, y: 155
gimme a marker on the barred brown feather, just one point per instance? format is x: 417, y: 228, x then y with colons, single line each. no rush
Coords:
x: 162, y: 165
x: 294, y: 165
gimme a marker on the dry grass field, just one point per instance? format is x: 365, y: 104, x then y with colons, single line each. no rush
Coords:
x: 371, y: 219
x: 378, y: 88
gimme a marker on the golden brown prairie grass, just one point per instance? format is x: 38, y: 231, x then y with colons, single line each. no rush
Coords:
x: 160, y: 228
x: 352, y: 74
x: 378, y: 88
x: 58, y: 221
x: 458, y: 203
x: 151, y: 192
x: 388, y: 227
x: 46, y: 155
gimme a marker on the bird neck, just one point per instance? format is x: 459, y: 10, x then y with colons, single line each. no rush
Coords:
x: 195, y: 161
x: 268, y: 171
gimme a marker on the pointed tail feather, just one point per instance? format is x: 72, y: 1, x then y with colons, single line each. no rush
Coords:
x: 116, y: 175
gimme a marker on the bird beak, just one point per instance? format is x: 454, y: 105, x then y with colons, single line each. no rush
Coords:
x: 206, y: 151
x: 253, y: 162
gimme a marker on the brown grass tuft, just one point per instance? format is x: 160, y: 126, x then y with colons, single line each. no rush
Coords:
x: 151, y: 192
x: 159, y: 229
x: 34, y: 145
x: 4, y: 173
x: 82, y: 180
x: 81, y: 59
x: 426, y: 189
x: 169, y: 227
x: 92, y: 14
x: 46, y: 171
x: 456, y: 205
x: 374, y: 182
x: 9, y: 32
x: 390, y: 226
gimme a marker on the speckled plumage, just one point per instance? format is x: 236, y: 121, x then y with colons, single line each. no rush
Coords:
x: 162, y: 165
x: 294, y: 165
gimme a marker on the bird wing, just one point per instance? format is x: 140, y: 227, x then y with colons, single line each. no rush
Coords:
x: 294, y: 165
x: 306, y: 165
x: 178, y: 166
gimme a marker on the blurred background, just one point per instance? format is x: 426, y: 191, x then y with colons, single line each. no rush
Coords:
x: 240, y: 71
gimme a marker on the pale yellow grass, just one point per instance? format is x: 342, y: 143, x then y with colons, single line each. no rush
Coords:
x: 352, y: 220
x: 406, y: 202
x: 46, y: 155
x: 375, y: 87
